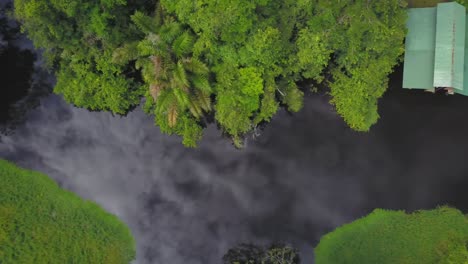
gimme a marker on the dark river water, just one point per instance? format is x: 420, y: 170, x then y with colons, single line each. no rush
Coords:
x: 304, y: 175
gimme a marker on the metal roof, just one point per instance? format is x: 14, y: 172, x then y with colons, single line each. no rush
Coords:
x: 450, y: 45
x: 465, y: 71
x: 435, y: 48
x: 418, y: 71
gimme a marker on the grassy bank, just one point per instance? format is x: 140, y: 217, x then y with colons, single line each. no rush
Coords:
x: 42, y: 223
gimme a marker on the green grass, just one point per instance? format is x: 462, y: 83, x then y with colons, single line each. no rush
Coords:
x: 41, y: 223
x: 389, y: 237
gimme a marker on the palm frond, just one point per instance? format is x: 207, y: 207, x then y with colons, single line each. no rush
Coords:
x: 182, y: 97
x: 195, y: 66
x: 159, y: 14
x: 204, y: 100
x: 195, y: 108
x: 146, y: 67
x: 183, y: 44
x: 154, y: 38
x: 144, y: 23
x: 166, y: 98
x: 155, y: 90
x: 169, y: 31
x: 157, y: 65
x: 172, y: 115
x: 201, y: 83
x: 180, y: 79
x: 126, y: 53
x: 146, y: 47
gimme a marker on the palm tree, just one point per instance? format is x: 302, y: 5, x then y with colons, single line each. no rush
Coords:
x: 177, y: 82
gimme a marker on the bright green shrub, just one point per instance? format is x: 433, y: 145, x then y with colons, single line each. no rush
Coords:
x: 41, y: 223
x: 390, y: 237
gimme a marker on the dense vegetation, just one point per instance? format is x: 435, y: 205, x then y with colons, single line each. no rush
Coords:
x: 252, y: 254
x: 436, y: 236
x: 41, y: 223
x: 236, y: 61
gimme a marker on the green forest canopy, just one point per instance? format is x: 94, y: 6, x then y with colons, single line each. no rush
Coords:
x: 388, y: 237
x: 238, y: 61
x: 41, y: 223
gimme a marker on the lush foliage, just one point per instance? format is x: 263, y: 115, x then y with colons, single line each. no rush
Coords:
x: 238, y: 61
x: 366, y: 45
x: 41, y: 223
x: 252, y: 254
x: 436, y: 236
x: 80, y: 37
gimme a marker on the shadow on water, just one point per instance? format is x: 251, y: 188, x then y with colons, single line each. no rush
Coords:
x: 22, y: 82
x: 18, y: 66
x: 429, y: 133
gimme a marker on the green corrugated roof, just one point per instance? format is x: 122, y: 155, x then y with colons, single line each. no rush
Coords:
x: 418, y: 71
x: 449, y: 46
x: 465, y: 80
x: 436, y: 45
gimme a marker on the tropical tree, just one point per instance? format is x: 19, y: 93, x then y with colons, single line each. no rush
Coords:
x: 367, y: 45
x: 178, y: 88
x: 78, y: 38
